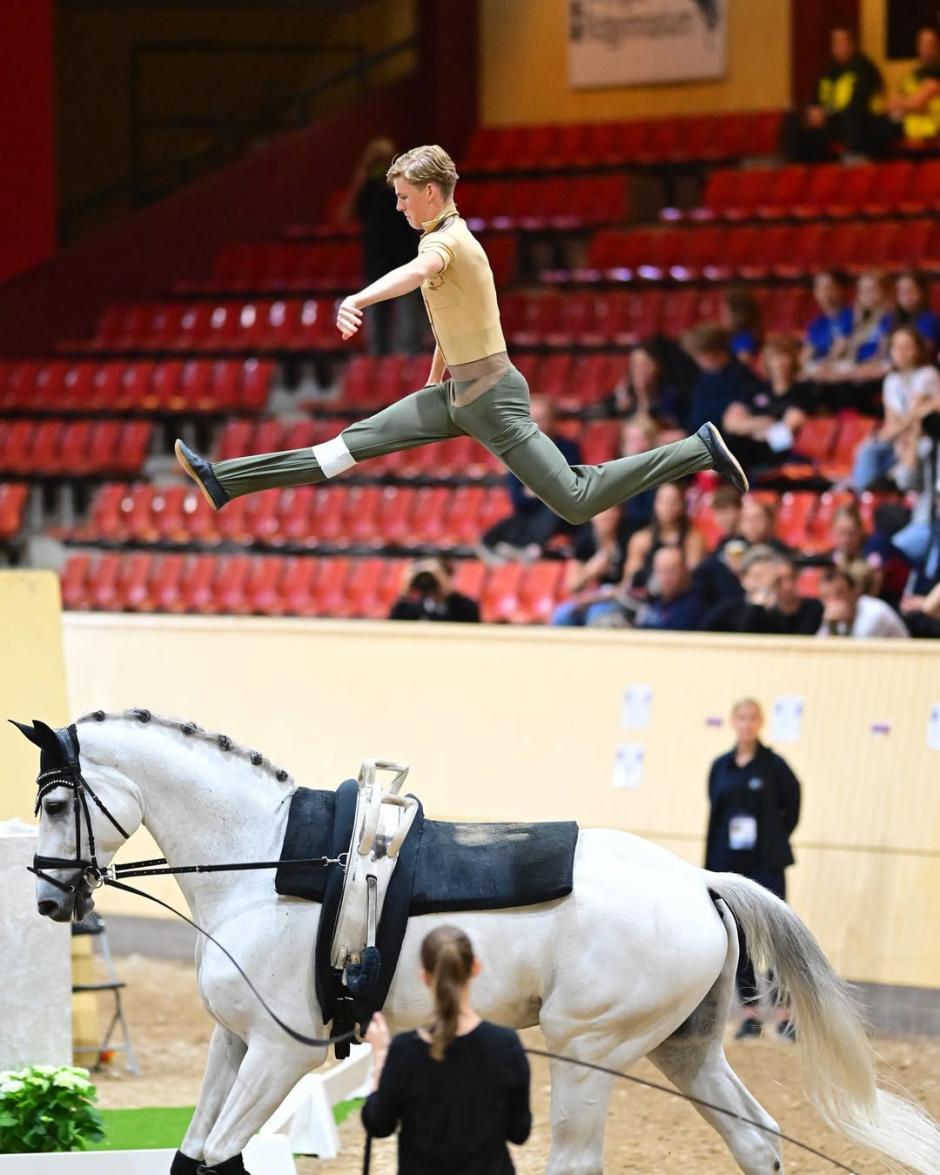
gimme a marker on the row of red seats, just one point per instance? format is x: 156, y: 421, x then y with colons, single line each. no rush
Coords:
x: 529, y: 205
x: 339, y: 517
x: 275, y: 266
x: 461, y: 457
x: 534, y: 204
x: 753, y: 252
x: 200, y: 385
x: 74, y: 448
x: 310, y: 516
x: 570, y: 379
x: 593, y: 318
x: 302, y: 586
x: 826, y: 191
x: 262, y: 324
x: 13, y: 497
x: 804, y: 518
x: 641, y: 142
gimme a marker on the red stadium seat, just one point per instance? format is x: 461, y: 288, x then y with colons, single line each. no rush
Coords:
x: 501, y: 594
x: 75, y: 582
x: 539, y: 592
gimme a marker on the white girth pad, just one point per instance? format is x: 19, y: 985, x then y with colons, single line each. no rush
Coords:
x: 333, y: 457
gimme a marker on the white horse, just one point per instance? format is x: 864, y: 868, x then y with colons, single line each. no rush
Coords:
x: 638, y: 961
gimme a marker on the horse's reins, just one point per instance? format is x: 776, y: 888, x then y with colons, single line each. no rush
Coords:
x: 94, y: 876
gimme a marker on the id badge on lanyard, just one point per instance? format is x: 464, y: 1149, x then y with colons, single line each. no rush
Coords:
x: 742, y: 833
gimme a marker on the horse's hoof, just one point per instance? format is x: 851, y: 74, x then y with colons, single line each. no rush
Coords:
x: 233, y: 1166
x: 184, y: 1165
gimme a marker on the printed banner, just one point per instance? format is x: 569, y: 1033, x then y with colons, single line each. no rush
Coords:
x: 637, y: 42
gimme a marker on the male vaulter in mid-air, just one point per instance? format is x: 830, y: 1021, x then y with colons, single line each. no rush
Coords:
x: 484, y: 396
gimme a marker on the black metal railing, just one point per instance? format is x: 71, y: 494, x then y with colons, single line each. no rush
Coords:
x: 222, y: 137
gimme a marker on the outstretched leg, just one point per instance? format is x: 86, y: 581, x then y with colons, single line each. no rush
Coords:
x: 578, y: 492
x: 693, y: 1059
x: 226, y: 1052
x: 265, y: 1077
x: 418, y: 419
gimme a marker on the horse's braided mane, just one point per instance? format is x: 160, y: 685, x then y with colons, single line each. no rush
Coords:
x: 221, y: 742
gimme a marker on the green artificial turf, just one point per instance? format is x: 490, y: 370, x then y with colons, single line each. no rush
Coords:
x: 164, y: 1127
x: 147, y: 1129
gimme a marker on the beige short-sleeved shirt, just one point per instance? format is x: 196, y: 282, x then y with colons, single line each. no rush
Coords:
x: 461, y: 299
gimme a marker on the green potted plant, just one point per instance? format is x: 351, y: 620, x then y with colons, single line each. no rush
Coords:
x: 47, y: 1108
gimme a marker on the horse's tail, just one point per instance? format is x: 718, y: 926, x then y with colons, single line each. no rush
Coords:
x: 839, y: 1061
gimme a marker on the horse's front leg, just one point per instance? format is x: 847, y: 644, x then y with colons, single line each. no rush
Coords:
x: 226, y: 1053
x: 266, y: 1076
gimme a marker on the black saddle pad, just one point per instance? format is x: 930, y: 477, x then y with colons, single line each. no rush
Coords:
x: 458, y: 866
x: 442, y: 867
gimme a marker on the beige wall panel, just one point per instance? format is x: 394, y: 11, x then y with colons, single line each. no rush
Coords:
x: 502, y: 723
x: 524, y: 68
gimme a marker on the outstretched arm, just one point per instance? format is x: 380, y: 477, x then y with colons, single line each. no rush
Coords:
x: 396, y: 282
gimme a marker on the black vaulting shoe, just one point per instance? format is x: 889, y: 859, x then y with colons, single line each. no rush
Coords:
x: 200, y: 470
x: 723, y: 460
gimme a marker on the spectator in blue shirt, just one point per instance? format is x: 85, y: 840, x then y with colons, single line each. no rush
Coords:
x: 722, y: 377
x: 673, y: 604
x: 859, y: 362
x: 832, y: 324
x: 741, y: 315
x: 913, y: 309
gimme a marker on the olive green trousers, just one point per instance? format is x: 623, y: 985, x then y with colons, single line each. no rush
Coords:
x: 499, y: 419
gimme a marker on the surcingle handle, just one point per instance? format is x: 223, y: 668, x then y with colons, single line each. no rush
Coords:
x: 372, y: 902
x: 370, y: 767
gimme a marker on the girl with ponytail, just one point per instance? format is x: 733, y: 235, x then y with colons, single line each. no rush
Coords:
x: 460, y: 1087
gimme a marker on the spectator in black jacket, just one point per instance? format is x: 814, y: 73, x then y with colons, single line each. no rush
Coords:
x: 844, y: 114
x: 754, y: 806
x: 750, y: 612
x: 430, y: 595
x: 460, y: 1088
x: 722, y: 377
x: 791, y: 613
x: 387, y: 242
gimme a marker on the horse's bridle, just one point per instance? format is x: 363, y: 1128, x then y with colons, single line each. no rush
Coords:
x: 70, y: 776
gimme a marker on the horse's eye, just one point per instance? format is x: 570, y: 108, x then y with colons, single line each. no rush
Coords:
x: 55, y: 807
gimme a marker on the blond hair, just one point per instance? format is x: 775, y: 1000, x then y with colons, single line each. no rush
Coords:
x: 425, y: 165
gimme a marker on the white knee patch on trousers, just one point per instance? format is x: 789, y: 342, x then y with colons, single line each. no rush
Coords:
x: 333, y: 457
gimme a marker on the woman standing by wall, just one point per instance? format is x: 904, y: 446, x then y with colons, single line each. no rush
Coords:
x: 754, y: 806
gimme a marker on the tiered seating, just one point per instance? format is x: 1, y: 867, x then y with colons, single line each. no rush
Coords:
x: 639, y: 143
x: 74, y: 448
x: 337, y: 516
x: 621, y: 318
x: 277, y: 586
x: 804, y: 518
x: 13, y: 497
x: 174, y: 386
x: 750, y: 252
x: 336, y: 266
x: 262, y: 325
x: 533, y: 204
x: 830, y: 191
x: 278, y: 265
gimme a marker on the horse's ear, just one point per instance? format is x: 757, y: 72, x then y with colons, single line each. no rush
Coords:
x: 29, y: 732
